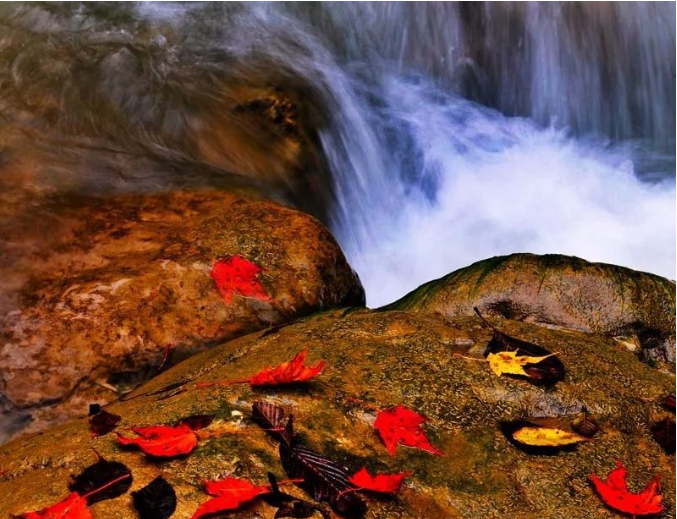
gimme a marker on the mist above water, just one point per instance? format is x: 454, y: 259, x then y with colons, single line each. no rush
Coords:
x: 452, y: 132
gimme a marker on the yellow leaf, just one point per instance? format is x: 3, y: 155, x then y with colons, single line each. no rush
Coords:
x: 546, y: 437
x: 508, y: 362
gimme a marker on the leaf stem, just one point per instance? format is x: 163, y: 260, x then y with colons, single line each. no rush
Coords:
x: 226, y: 383
x: 104, y: 487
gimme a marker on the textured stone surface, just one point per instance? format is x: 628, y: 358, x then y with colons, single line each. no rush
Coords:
x: 375, y: 360
x: 562, y: 291
x: 91, y: 299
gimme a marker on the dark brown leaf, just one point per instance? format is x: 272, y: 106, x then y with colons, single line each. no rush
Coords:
x: 664, y: 433
x: 289, y: 506
x: 271, y: 418
x: 324, y: 479
x: 102, y: 422
x: 95, y: 480
x: 157, y: 500
x: 584, y: 425
x: 669, y: 402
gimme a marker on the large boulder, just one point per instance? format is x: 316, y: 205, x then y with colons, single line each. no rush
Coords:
x: 93, y: 299
x: 377, y: 360
x: 561, y: 291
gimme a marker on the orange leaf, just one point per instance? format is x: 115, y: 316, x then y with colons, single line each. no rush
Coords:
x: 401, y: 425
x: 288, y: 372
x: 236, y: 275
x: 230, y: 494
x: 73, y: 507
x: 614, y: 492
x: 383, y: 483
x: 163, y: 441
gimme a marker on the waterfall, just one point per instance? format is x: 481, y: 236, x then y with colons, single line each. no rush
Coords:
x: 451, y: 131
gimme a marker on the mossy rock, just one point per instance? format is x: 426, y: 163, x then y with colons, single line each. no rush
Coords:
x: 112, y: 284
x: 562, y: 291
x: 376, y: 360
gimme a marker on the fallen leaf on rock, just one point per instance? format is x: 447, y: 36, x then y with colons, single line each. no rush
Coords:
x: 72, y: 507
x: 270, y: 417
x: 84, y: 491
x: 509, y: 363
x: 102, y: 423
x: 289, y: 506
x: 545, y: 367
x: 664, y: 434
x: 669, y: 402
x: 102, y: 480
x: 324, y: 479
x: 236, y: 275
x: 534, y: 436
x: 291, y: 372
x: 163, y: 441
x: 584, y: 425
x: 157, y: 500
x: 614, y: 492
x: 382, y: 483
x: 401, y: 426
x: 229, y: 494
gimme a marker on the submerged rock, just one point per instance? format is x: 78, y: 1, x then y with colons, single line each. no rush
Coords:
x: 562, y: 291
x: 110, y: 285
x: 376, y: 360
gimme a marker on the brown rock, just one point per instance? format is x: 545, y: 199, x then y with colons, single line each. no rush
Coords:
x: 375, y: 360
x: 561, y: 291
x: 93, y: 297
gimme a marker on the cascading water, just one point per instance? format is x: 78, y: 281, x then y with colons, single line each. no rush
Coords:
x: 452, y: 132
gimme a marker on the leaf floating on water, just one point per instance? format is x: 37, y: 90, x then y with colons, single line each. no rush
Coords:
x: 291, y: 372
x: 614, y: 492
x: 236, y: 275
x: 401, y: 426
x: 102, y: 480
x: 157, y: 500
x: 546, y: 370
x: 102, y: 423
x: 72, y: 507
x: 382, y: 483
x: 664, y: 434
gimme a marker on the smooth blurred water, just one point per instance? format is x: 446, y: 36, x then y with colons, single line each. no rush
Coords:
x: 452, y: 132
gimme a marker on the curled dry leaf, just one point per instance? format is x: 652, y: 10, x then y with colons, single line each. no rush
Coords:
x: 382, y: 483
x: 545, y: 367
x: 401, y: 426
x: 615, y: 493
x: 236, y: 275
x: 584, y: 425
x: 291, y: 372
x: 157, y: 500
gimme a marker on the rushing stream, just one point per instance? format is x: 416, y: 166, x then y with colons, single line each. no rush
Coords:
x: 451, y: 132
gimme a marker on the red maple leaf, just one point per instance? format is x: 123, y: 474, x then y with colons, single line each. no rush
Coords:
x: 72, y: 507
x: 289, y: 372
x: 383, y: 483
x: 236, y: 275
x: 400, y: 425
x: 163, y: 441
x: 614, y: 492
x: 230, y: 493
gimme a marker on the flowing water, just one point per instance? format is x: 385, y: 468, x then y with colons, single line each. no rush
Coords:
x: 450, y: 132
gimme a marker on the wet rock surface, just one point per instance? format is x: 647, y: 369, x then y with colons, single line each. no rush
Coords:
x: 562, y: 291
x: 92, y: 299
x: 376, y: 360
